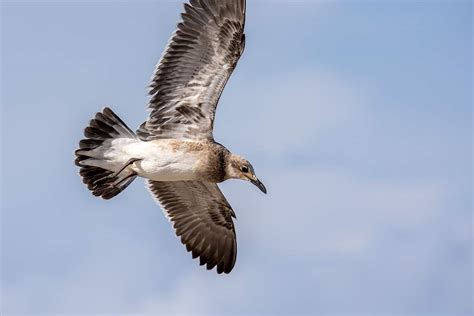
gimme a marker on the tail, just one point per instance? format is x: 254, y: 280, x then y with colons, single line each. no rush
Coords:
x: 105, y: 126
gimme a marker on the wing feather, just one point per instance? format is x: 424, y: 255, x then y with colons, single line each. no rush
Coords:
x: 202, y: 218
x: 196, y: 65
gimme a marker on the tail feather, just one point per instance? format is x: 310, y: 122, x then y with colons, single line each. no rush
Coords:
x: 106, y: 125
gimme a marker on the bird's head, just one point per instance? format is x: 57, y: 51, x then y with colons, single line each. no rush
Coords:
x: 240, y: 168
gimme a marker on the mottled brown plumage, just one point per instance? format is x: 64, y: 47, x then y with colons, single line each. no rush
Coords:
x: 202, y: 218
x: 189, y: 79
x: 216, y: 166
x: 175, y: 148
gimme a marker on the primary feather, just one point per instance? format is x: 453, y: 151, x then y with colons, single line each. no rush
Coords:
x: 189, y: 78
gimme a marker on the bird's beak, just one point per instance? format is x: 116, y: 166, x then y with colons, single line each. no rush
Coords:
x: 258, y: 183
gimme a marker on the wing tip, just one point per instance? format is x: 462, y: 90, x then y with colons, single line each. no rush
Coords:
x: 223, y: 263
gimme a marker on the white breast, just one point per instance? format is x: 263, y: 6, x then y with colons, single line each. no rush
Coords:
x: 162, y: 160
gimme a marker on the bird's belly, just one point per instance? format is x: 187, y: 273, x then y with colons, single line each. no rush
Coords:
x: 163, y: 162
x: 160, y: 170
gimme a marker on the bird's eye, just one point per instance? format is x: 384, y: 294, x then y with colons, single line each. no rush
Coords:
x: 244, y: 169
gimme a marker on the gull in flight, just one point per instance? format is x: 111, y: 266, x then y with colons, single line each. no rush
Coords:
x: 174, y: 150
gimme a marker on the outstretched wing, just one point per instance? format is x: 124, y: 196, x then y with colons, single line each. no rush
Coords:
x: 189, y: 79
x: 202, y: 217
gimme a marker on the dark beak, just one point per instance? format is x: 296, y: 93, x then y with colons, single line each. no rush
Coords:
x: 259, y: 185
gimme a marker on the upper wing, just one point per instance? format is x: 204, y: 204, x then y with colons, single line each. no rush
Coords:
x: 194, y: 69
x: 202, y: 217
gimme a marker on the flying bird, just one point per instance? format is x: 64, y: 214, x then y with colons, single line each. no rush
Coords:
x: 174, y: 149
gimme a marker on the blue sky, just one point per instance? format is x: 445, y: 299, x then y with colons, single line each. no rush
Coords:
x: 357, y: 115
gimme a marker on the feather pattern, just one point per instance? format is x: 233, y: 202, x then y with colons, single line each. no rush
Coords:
x: 189, y: 79
x: 202, y: 218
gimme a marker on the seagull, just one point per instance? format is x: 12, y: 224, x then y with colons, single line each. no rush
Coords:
x: 174, y: 149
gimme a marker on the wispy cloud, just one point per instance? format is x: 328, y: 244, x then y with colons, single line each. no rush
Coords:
x: 369, y: 206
